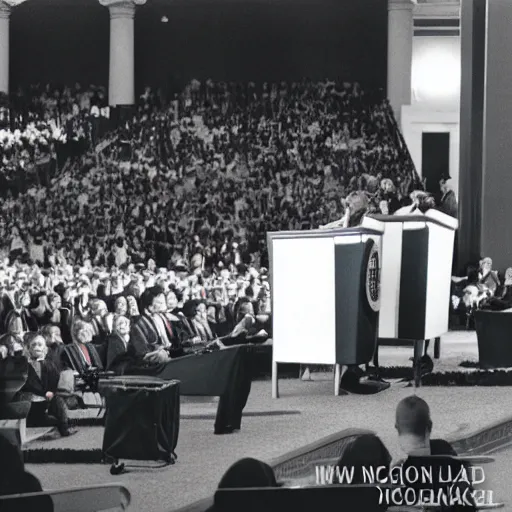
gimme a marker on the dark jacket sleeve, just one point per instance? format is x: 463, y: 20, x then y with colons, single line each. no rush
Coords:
x: 138, y: 345
x: 51, y: 376
x: 115, y: 351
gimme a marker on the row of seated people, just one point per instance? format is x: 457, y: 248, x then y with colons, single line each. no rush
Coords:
x: 34, y: 297
x: 142, y: 346
x: 365, y: 461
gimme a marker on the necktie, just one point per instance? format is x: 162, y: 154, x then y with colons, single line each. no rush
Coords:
x: 86, y: 354
x: 169, y: 327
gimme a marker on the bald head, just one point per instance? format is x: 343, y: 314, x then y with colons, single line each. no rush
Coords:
x: 413, y: 417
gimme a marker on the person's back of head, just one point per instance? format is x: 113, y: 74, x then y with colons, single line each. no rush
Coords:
x: 426, y: 203
x: 26, y: 483
x: 413, y: 424
x: 12, y: 463
x: 365, y: 457
x: 246, y: 473
x: 15, y: 480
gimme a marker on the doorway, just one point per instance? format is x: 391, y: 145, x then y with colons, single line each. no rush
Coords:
x: 435, y: 159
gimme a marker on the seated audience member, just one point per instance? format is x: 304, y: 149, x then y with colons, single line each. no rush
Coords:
x: 11, y: 343
x: 81, y: 355
x: 189, y: 312
x: 151, y: 334
x: 504, y: 300
x: 414, y: 427
x: 117, y: 345
x: 366, y: 451
x: 488, y: 277
x: 19, y: 313
x: 42, y: 382
x: 182, y: 336
x: 245, y: 474
x: 469, y: 294
x: 133, y: 308
x: 248, y: 328
x: 53, y: 338
x: 150, y: 347
x: 172, y: 302
x: 248, y: 473
x: 120, y: 307
x: 201, y: 324
x: 99, y: 320
x: 48, y: 309
x: 14, y: 479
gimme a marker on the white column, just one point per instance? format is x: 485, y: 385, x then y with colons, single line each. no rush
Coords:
x: 400, y: 34
x: 121, y: 87
x: 5, y: 13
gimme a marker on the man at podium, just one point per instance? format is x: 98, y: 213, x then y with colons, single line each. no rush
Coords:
x: 355, y: 380
x: 356, y: 207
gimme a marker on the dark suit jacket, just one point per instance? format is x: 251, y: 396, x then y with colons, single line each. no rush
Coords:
x: 73, y: 356
x: 230, y: 312
x: 101, y: 337
x: 49, y: 380
x: 145, y: 338
x: 117, y: 354
x: 56, y: 355
x: 448, y: 204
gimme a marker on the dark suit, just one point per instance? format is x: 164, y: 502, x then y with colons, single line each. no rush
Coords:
x: 100, y: 330
x: 448, y: 204
x: 66, y: 320
x: 117, y: 354
x: 48, y: 381
x: 145, y: 337
x: 56, y: 356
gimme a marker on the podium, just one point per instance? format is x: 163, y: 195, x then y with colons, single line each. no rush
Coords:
x: 417, y: 254
x: 325, y: 296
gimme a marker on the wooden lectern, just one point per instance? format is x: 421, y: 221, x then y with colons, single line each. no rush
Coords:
x: 325, y: 296
x: 417, y: 254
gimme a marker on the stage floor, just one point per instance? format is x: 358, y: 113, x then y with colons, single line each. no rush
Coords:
x: 456, y: 347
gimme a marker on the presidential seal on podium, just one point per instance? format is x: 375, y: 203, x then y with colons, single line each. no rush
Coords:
x: 372, y: 277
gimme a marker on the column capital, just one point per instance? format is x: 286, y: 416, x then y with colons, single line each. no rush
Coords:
x: 6, y: 7
x: 401, y: 5
x: 5, y: 11
x: 121, y: 8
